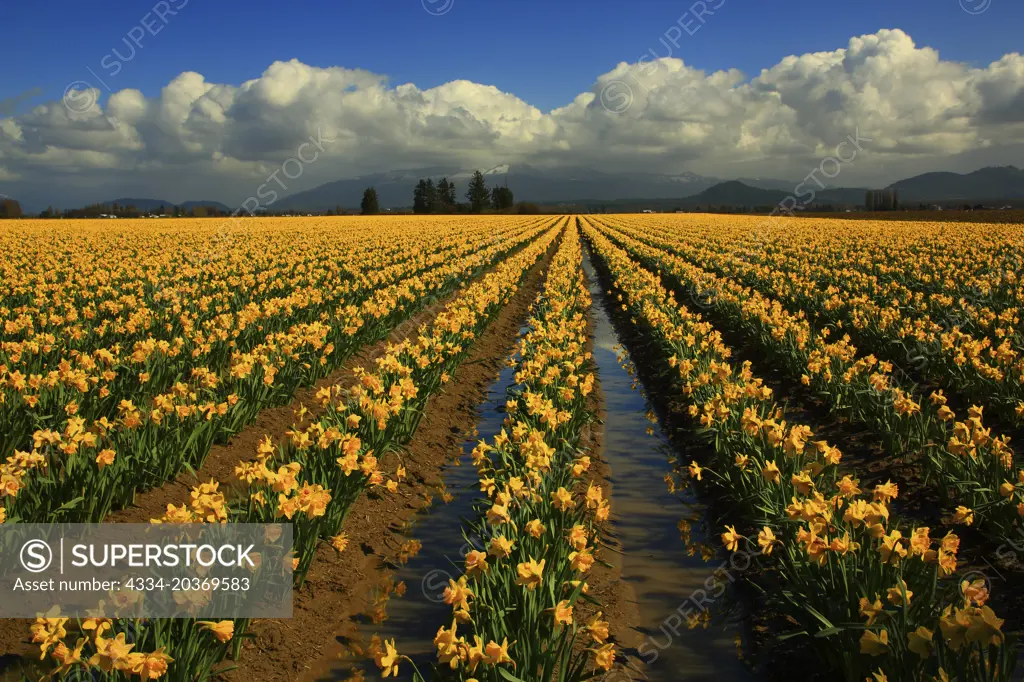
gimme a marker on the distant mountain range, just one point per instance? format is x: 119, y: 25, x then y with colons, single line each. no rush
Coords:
x: 586, y: 186
x: 732, y: 193
x: 987, y: 185
x: 529, y: 183
x: 148, y: 205
x: 736, y: 193
x: 592, y: 188
x: 994, y: 182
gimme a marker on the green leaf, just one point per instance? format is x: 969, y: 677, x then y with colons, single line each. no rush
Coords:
x: 828, y: 632
x: 68, y: 506
x: 508, y: 676
x: 790, y: 635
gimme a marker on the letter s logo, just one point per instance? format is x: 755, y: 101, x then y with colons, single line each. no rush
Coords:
x: 36, y: 556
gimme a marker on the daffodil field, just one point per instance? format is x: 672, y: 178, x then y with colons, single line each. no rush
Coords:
x: 974, y: 464
x: 128, y: 352
x: 164, y: 354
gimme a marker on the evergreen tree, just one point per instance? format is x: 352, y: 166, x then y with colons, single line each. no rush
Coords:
x: 446, y: 193
x: 501, y: 198
x: 419, y: 197
x: 369, y: 204
x: 9, y: 208
x: 442, y: 195
x: 430, y: 195
x: 478, y: 196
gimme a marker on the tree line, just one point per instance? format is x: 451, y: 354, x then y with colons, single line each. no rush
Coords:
x: 428, y: 197
x: 442, y: 197
x: 10, y: 208
x: 131, y: 211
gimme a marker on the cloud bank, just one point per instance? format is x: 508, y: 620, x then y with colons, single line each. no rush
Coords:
x: 199, y: 139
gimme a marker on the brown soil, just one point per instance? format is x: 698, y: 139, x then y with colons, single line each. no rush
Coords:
x: 340, y: 587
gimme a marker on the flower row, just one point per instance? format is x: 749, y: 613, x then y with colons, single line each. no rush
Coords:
x: 974, y: 466
x: 310, y: 481
x: 865, y: 593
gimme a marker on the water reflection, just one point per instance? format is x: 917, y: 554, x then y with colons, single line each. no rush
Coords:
x: 413, y: 617
x: 671, y: 583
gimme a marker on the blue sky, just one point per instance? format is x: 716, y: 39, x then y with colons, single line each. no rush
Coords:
x: 543, y: 51
x: 214, y: 98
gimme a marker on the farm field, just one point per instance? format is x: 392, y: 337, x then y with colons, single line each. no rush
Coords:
x: 595, y: 447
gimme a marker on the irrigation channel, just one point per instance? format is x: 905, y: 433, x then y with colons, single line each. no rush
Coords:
x: 658, y: 572
x: 413, y: 619
x: 667, y: 582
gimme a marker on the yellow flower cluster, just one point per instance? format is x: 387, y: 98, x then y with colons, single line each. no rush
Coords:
x: 101, y: 647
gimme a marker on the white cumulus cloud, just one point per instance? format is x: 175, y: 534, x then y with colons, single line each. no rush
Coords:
x: 919, y: 111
